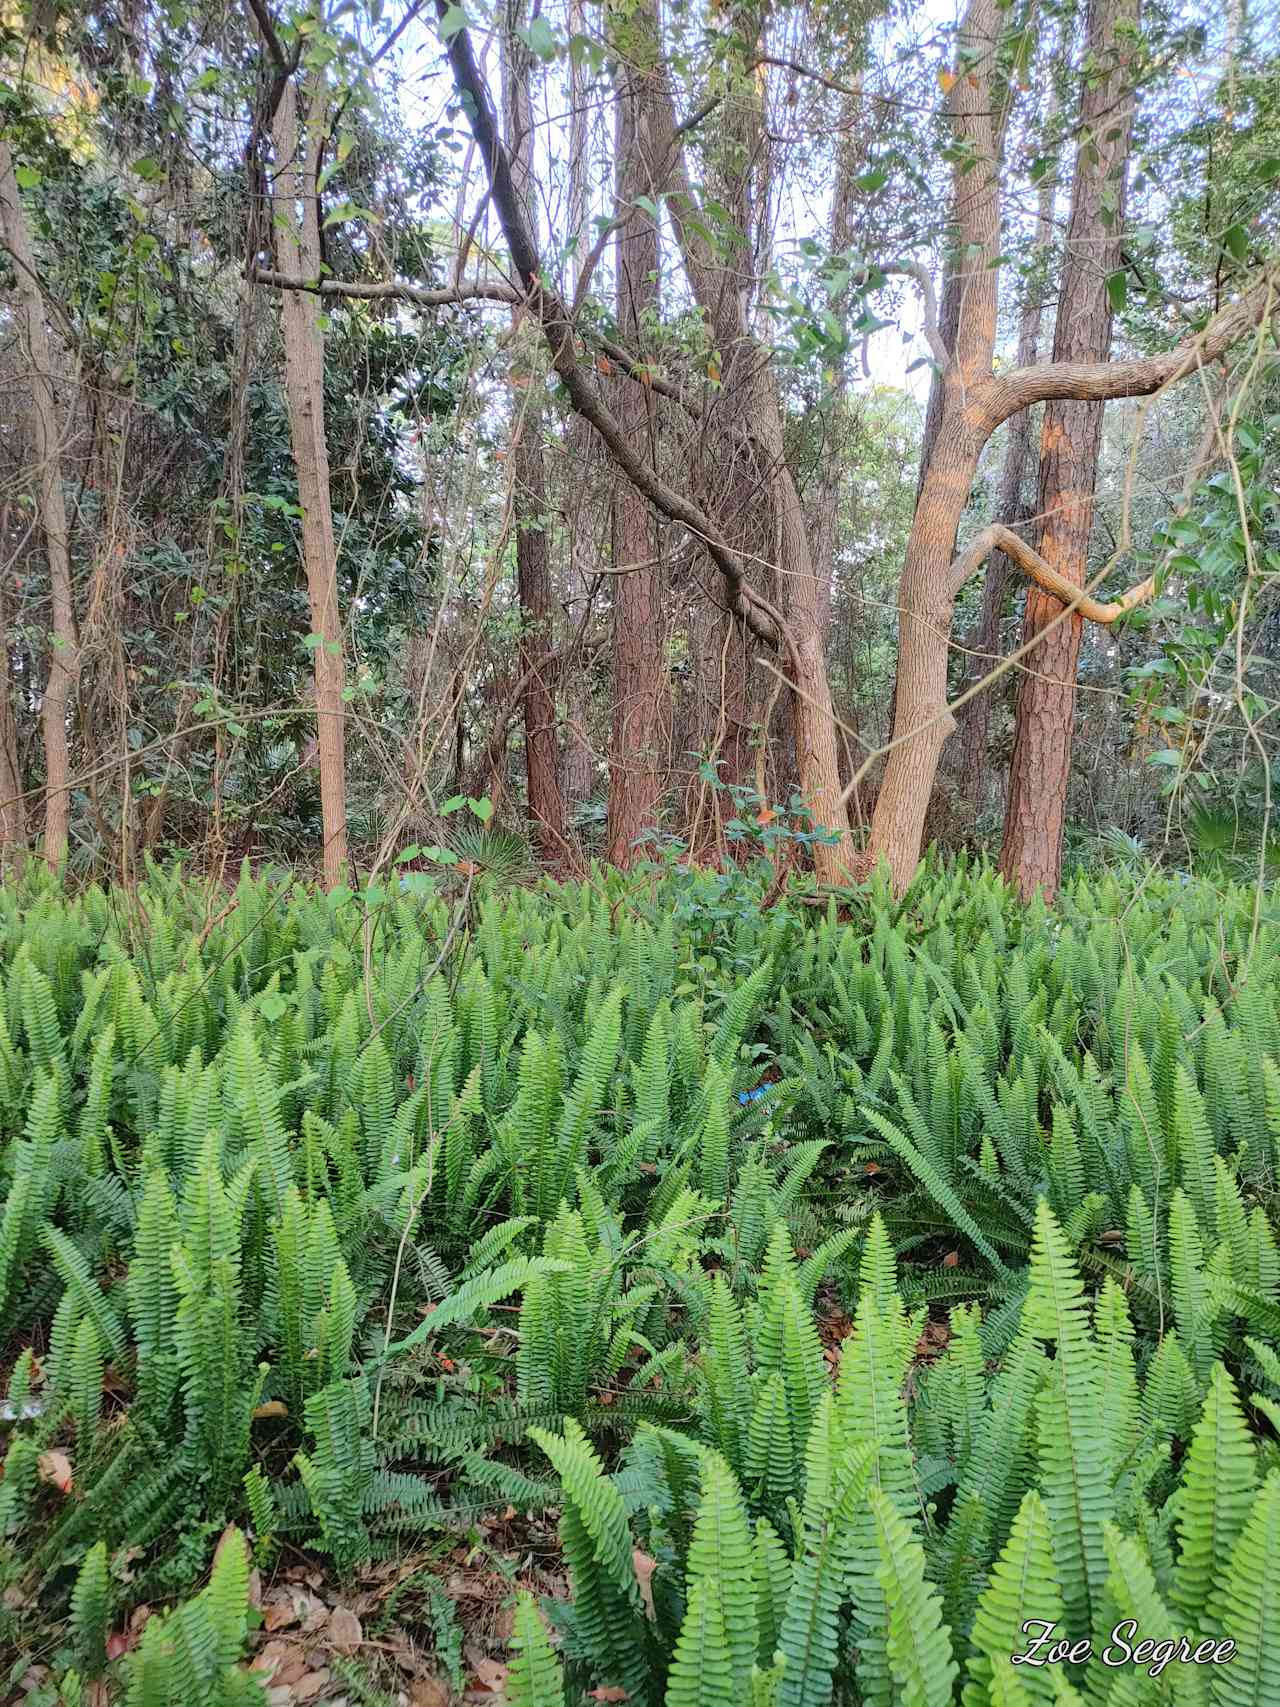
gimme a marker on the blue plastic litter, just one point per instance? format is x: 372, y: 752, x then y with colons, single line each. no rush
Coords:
x: 755, y: 1095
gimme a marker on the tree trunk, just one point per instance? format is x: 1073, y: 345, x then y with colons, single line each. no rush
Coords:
x: 533, y: 569
x: 578, y: 765
x: 640, y: 739
x: 921, y: 720
x: 47, y: 446
x: 13, y: 805
x: 985, y: 644
x: 297, y: 140
x: 1040, y: 770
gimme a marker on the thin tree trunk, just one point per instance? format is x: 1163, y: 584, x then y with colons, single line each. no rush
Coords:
x: 641, y: 700
x: 985, y: 645
x: 13, y: 805
x: 297, y: 140
x: 64, y: 651
x: 533, y: 569
x: 1041, y: 766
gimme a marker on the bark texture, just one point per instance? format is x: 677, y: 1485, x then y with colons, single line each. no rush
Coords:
x: 639, y: 741
x: 297, y: 140
x: 1031, y: 856
x: 46, y: 444
x: 13, y: 804
x: 985, y: 643
x: 533, y: 569
x: 921, y: 720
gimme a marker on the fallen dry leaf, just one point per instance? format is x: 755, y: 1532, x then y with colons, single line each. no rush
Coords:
x: 272, y: 1408
x: 608, y: 1692
x: 279, y: 1612
x: 951, y: 1260
x: 489, y: 1674
x: 55, y: 1468
x: 429, y: 1692
x: 310, y: 1684
x: 345, y: 1630
x: 283, y: 1660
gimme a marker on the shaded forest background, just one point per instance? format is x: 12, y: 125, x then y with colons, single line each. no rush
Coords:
x: 616, y: 440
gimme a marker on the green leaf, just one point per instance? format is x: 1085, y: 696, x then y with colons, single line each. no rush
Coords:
x: 453, y: 20
x: 1118, y: 289
x: 540, y: 39
x: 1235, y: 240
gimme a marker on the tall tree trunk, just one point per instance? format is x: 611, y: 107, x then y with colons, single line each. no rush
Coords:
x: 921, y: 720
x: 985, y: 644
x: 578, y: 763
x: 641, y: 701
x: 533, y: 569
x: 64, y: 651
x: 1041, y: 766
x: 297, y: 140
x: 13, y: 804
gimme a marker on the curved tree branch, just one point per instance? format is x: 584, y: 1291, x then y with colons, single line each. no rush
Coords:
x: 1095, y: 382
x: 1026, y: 558
x: 920, y: 273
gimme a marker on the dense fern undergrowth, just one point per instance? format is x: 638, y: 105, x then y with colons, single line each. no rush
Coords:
x: 341, y: 1219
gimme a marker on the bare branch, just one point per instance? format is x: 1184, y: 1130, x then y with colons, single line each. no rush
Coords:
x: 1095, y: 382
x: 920, y: 273
x: 1026, y: 558
x: 374, y: 290
x: 471, y: 290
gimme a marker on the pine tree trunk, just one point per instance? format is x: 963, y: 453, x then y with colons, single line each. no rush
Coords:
x: 295, y: 207
x: 533, y: 569
x: 639, y: 742
x: 1040, y: 770
x: 64, y: 655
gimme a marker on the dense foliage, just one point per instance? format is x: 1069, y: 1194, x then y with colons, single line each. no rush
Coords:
x: 342, y: 1218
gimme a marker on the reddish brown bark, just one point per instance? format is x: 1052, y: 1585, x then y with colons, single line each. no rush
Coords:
x: 533, y: 570
x: 641, y: 701
x: 1031, y: 856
